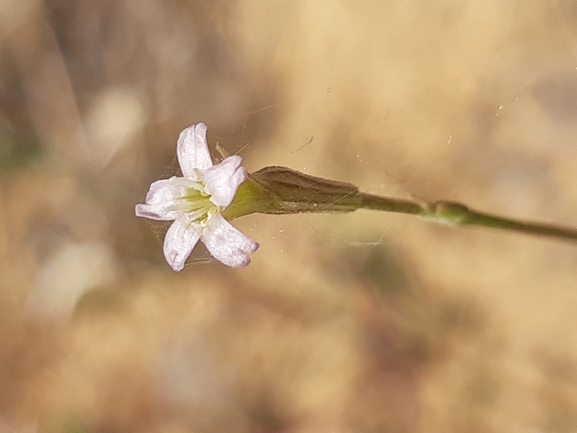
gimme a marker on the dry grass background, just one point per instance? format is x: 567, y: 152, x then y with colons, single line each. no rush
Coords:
x: 362, y: 322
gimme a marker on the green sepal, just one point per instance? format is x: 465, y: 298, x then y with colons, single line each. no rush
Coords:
x: 280, y: 190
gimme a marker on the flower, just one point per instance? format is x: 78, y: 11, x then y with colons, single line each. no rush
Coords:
x: 195, y: 203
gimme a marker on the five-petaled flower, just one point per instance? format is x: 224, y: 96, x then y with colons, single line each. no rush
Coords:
x: 195, y: 203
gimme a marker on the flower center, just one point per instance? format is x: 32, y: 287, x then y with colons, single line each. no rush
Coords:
x: 193, y: 202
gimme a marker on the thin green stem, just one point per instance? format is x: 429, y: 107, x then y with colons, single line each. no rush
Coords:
x: 386, y: 204
x: 476, y: 218
x: 454, y: 213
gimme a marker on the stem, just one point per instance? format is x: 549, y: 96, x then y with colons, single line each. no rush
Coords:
x: 375, y: 202
x: 475, y: 218
x: 454, y: 213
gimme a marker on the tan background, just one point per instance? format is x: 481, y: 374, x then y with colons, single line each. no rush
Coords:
x: 362, y: 322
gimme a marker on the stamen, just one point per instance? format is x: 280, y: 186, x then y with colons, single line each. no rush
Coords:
x: 194, y: 203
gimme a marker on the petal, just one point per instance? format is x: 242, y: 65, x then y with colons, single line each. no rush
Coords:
x: 192, y: 150
x: 222, y: 180
x: 226, y: 243
x: 179, y: 241
x: 160, y: 200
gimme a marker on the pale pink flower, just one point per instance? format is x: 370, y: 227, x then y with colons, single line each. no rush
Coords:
x: 195, y: 203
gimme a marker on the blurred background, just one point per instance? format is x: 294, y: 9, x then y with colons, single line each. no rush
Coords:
x: 362, y: 322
